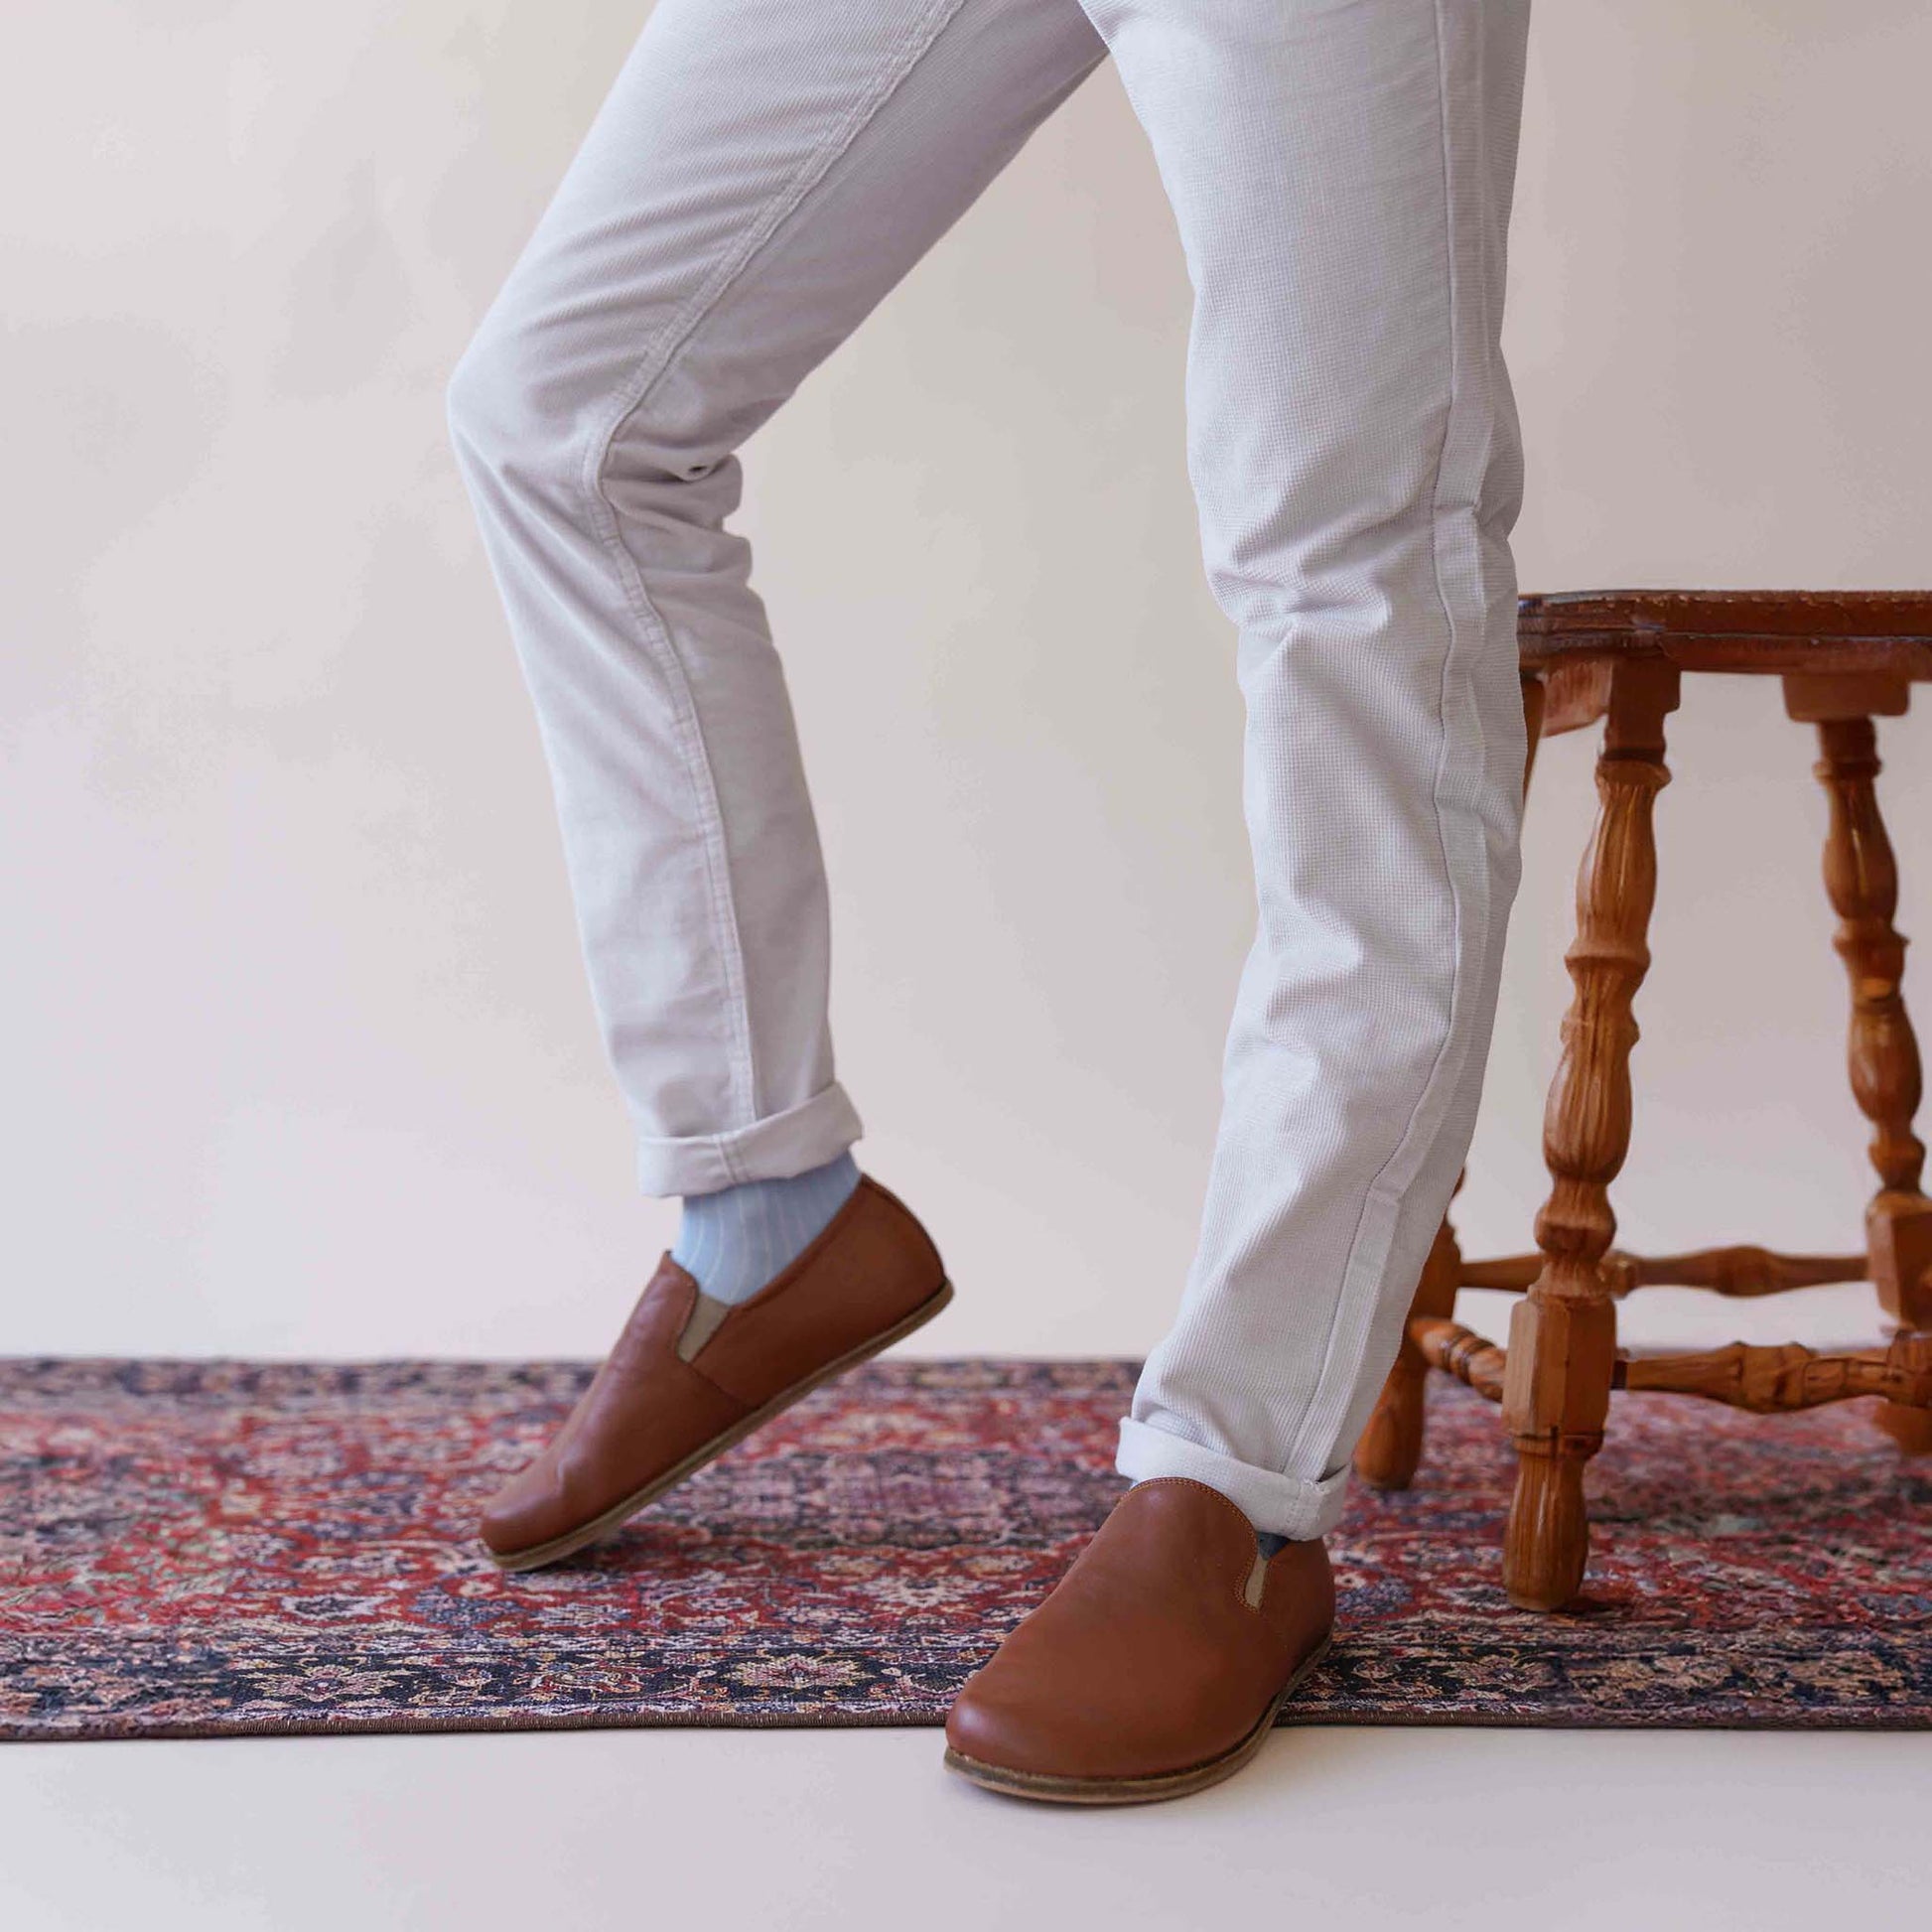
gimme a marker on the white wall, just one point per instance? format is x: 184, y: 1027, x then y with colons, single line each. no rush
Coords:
x: 297, y: 1049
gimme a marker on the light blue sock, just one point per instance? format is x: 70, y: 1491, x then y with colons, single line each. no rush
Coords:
x: 737, y: 1239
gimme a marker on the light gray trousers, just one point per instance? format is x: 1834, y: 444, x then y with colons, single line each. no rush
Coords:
x: 761, y: 174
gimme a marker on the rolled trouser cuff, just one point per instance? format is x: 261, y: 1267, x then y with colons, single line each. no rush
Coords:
x: 1282, y: 1505
x: 774, y: 1148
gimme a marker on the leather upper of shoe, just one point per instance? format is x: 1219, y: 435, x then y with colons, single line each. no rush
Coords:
x: 1162, y: 1648
x: 687, y: 1368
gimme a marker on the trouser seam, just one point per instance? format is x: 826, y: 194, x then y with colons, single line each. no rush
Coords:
x: 650, y: 369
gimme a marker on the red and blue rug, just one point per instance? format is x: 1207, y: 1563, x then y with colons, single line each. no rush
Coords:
x: 215, y: 1549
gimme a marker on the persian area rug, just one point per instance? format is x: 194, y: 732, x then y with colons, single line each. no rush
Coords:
x: 221, y: 1548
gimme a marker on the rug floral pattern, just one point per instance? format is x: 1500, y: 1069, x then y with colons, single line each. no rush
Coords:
x: 219, y: 1547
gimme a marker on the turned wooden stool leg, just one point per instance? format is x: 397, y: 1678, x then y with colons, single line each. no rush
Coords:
x: 1390, y: 1451
x: 1862, y: 877
x: 1563, y: 1336
x: 1391, y: 1447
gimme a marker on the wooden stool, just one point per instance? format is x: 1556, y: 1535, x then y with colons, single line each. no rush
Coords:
x: 1846, y: 658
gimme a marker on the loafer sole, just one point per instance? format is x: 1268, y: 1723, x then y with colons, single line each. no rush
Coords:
x: 537, y: 1554
x: 1146, y: 1789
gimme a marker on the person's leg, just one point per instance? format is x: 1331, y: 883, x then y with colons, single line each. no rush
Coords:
x: 1340, y: 173
x: 761, y: 174
x: 1341, y: 176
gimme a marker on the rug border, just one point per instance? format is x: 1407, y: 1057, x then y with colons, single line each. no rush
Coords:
x: 175, y: 1731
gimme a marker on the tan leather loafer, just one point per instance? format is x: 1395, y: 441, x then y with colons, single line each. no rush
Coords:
x: 691, y: 1376
x: 1159, y: 1663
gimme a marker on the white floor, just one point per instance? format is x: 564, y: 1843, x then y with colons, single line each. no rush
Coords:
x: 725, y: 1832
x: 716, y: 1831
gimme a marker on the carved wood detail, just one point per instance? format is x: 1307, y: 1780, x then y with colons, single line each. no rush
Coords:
x: 1844, y: 658
x: 1390, y: 1451
x: 1861, y: 880
x: 1775, y: 1380
x: 1768, y: 1379
x: 1739, y: 1271
x: 1862, y: 877
x: 1563, y: 1336
x: 1460, y: 1352
x: 1578, y: 696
